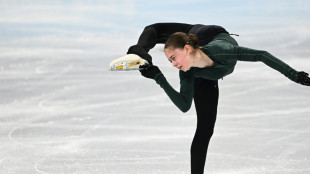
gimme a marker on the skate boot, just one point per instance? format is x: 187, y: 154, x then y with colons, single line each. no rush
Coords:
x: 127, y: 63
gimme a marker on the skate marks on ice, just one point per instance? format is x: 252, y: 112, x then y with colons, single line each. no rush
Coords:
x: 234, y: 164
x: 36, y: 166
x: 33, y: 124
x: 74, y: 119
x: 55, y: 127
x: 244, y: 148
x: 115, y: 161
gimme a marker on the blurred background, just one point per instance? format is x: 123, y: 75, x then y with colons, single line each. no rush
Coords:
x: 62, y: 111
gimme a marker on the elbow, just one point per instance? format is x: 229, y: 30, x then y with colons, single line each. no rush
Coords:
x: 185, y: 109
x: 185, y: 106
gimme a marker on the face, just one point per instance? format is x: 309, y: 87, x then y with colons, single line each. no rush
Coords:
x: 180, y: 58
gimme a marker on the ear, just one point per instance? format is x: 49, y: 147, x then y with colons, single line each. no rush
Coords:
x: 188, y: 49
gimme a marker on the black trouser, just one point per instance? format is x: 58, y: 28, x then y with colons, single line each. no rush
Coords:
x: 206, y: 100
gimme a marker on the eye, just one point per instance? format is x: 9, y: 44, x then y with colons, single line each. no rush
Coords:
x: 172, y: 58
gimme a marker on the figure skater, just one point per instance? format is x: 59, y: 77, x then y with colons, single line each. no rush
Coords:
x: 203, y: 54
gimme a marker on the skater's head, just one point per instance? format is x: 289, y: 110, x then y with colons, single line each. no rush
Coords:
x: 180, y: 39
x: 180, y: 48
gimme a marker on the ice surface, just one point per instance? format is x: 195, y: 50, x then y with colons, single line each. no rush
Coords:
x: 63, y: 115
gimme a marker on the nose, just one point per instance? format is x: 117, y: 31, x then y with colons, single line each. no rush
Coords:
x: 174, y: 63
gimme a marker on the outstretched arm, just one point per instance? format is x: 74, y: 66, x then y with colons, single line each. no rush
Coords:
x: 247, y: 54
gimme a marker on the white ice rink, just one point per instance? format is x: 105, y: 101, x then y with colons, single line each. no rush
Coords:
x: 63, y: 112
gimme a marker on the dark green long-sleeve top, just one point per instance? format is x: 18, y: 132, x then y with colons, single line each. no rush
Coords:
x: 224, y: 51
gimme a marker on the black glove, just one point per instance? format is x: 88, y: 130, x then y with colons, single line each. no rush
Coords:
x: 149, y: 71
x: 139, y: 50
x: 303, y: 78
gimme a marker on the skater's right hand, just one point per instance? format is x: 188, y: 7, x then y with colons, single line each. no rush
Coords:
x: 139, y: 50
x: 303, y: 78
x: 149, y: 71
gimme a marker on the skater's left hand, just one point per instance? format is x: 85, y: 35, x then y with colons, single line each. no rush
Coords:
x: 149, y: 71
x: 303, y: 78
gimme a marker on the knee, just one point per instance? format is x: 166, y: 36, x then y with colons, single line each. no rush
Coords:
x: 205, y: 133
x: 201, y: 141
x: 209, y: 134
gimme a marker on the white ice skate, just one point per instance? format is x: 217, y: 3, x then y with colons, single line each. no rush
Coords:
x: 127, y: 63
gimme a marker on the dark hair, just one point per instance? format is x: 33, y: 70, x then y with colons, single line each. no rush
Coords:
x: 180, y: 39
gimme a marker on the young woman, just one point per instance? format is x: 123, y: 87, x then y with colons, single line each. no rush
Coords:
x: 203, y: 53
x: 212, y: 61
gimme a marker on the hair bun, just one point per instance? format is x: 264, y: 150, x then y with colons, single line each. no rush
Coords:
x: 180, y: 39
x: 194, y: 39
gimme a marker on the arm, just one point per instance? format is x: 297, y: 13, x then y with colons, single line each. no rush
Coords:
x: 247, y: 54
x: 182, y: 99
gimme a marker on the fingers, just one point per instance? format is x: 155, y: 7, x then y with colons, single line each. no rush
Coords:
x: 145, y: 66
x: 302, y: 78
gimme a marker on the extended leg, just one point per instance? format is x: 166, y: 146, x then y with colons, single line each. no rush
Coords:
x: 206, y: 100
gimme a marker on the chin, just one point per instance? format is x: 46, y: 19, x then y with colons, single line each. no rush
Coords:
x: 185, y: 69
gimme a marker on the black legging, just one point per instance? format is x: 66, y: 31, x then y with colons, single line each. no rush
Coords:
x: 206, y: 99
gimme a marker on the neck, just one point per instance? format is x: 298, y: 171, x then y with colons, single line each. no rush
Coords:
x: 201, y: 60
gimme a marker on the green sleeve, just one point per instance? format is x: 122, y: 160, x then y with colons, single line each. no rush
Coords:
x: 182, y: 99
x: 247, y: 54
